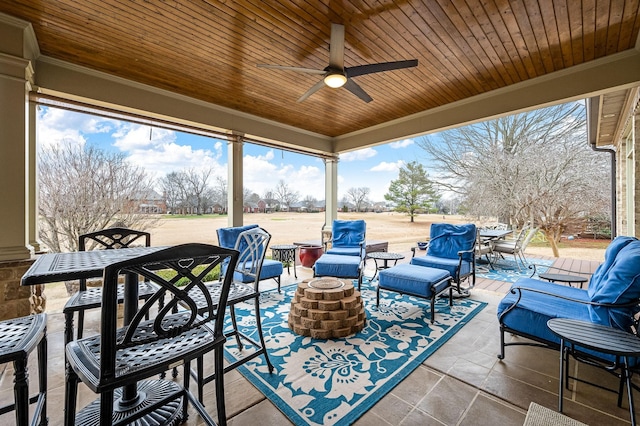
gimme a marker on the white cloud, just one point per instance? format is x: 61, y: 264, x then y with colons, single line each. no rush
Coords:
x: 359, y: 155
x: 388, y: 167
x: 56, y: 125
x: 401, y: 144
x: 156, y: 150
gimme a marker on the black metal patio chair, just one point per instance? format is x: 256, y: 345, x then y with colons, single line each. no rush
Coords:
x: 90, y: 297
x: 118, y: 363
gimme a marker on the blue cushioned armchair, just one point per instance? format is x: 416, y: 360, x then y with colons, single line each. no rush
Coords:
x: 451, y: 248
x: 345, y: 258
x: 612, y: 299
x: 348, y: 238
x: 227, y: 238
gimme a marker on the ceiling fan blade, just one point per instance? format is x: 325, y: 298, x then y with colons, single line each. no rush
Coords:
x: 336, y: 48
x: 288, y: 68
x: 380, y: 67
x: 319, y: 85
x: 353, y: 87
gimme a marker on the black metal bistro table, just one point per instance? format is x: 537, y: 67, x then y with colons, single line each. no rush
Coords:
x: 55, y: 267
x: 601, y: 338
x: 285, y: 253
x: 385, y: 257
x: 563, y: 278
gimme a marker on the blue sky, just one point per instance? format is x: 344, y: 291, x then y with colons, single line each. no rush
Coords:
x: 162, y: 151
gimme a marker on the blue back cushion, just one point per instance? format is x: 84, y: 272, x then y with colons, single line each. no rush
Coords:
x: 227, y: 237
x: 446, y: 240
x: 348, y: 233
x: 609, y: 257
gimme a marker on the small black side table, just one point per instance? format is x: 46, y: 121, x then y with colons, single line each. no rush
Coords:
x: 607, y: 340
x: 285, y: 253
x: 385, y: 256
x: 563, y: 278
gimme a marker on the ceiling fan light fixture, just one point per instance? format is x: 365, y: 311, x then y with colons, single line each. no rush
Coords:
x: 335, y: 80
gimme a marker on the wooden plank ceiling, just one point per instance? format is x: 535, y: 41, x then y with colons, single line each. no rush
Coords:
x: 209, y: 49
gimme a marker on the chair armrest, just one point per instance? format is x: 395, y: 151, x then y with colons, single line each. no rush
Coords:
x: 519, y: 290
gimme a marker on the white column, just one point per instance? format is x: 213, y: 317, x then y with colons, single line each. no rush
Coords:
x: 14, y: 86
x: 331, y: 191
x: 235, y: 181
x: 32, y: 182
x: 18, y: 48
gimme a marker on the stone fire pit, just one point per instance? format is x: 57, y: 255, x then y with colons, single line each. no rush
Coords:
x: 326, y: 308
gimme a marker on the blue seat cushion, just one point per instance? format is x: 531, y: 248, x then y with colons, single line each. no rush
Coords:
x: 335, y: 265
x: 345, y: 251
x: 414, y: 280
x: 532, y: 312
x: 270, y: 269
x: 450, y: 265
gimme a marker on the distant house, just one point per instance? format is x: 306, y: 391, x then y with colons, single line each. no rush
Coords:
x: 268, y: 205
x: 147, y: 202
x: 249, y: 207
x: 216, y: 209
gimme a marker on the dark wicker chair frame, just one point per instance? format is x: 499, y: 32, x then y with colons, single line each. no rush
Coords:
x: 176, y: 334
x: 90, y: 298
x: 18, y: 338
x: 610, y: 367
x: 252, y: 246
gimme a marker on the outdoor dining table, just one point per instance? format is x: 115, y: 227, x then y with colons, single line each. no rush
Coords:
x: 56, y: 267
x: 494, y: 234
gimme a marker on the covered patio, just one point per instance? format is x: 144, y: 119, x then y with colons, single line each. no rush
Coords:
x: 462, y: 383
x: 192, y: 65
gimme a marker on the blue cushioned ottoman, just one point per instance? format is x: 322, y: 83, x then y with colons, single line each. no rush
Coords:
x: 414, y: 280
x: 339, y: 266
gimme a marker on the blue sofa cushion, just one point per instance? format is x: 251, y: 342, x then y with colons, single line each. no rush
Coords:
x: 617, y: 282
x: 450, y: 265
x: 530, y: 315
x: 414, y: 280
x: 446, y: 240
x: 609, y: 257
x: 335, y: 265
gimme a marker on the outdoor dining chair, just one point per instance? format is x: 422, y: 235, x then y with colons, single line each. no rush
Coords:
x: 91, y: 297
x: 270, y: 269
x: 513, y: 247
x: 252, y: 245
x: 118, y: 364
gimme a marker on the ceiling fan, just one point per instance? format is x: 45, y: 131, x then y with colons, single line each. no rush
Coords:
x: 336, y: 75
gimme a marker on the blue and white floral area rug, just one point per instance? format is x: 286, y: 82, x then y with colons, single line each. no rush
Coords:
x: 334, y: 382
x: 507, y: 270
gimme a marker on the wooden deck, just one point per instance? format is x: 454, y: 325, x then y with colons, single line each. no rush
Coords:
x: 576, y: 265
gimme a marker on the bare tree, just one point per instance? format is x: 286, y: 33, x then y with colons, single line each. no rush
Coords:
x: 359, y: 197
x: 174, y: 191
x: 84, y: 189
x: 197, y: 185
x: 310, y: 202
x: 220, y: 192
x: 285, y: 195
x: 532, y: 167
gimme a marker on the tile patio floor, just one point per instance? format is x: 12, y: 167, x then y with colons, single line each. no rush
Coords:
x: 463, y: 383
